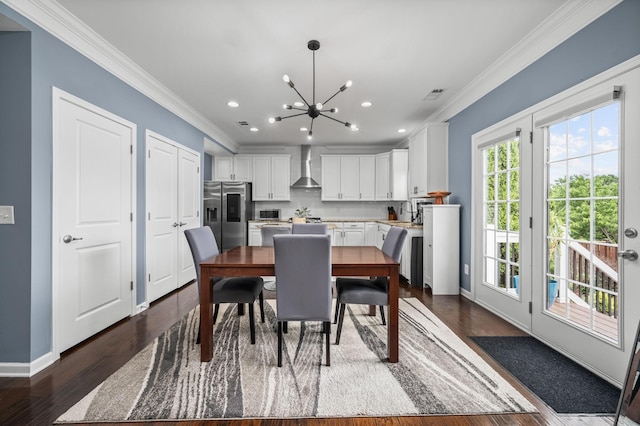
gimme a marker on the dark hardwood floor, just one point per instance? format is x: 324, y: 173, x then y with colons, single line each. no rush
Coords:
x: 41, y: 399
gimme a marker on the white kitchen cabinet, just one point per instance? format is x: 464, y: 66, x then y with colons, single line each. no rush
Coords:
x: 383, y: 229
x: 347, y: 233
x: 407, y: 258
x: 233, y: 168
x: 370, y: 233
x: 348, y: 178
x: 255, y: 231
x: 271, y: 178
x: 441, y: 226
x: 391, y: 175
x: 428, y: 160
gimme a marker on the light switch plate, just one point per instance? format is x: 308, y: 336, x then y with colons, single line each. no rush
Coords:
x: 6, y: 215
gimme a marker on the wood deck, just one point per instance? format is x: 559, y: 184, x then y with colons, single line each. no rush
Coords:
x: 581, y: 315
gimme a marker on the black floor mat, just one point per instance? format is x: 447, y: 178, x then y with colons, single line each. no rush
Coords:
x: 563, y: 384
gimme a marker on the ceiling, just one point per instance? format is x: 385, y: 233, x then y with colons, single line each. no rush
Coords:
x: 207, y: 52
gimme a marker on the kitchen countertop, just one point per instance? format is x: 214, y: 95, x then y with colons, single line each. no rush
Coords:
x: 399, y: 223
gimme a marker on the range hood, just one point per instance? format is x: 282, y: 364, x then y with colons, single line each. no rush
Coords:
x: 305, y: 181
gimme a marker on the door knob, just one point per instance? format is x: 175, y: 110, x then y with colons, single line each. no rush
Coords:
x: 175, y: 224
x: 68, y: 238
x: 631, y: 232
x: 628, y: 255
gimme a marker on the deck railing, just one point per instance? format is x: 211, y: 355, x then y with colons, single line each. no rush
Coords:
x: 605, y: 275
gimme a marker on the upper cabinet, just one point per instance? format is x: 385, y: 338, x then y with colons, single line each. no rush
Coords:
x: 271, y: 177
x: 348, y: 177
x: 428, y: 160
x: 233, y: 168
x: 391, y: 175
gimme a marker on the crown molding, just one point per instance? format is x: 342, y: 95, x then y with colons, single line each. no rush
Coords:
x: 570, y: 18
x: 57, y: 21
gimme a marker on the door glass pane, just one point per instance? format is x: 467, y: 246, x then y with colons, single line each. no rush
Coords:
x: 582, y: 221
x: 501, y: 209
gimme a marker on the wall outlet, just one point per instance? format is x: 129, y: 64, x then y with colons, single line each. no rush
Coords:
x: 466, y: 269
x: 6, y: 215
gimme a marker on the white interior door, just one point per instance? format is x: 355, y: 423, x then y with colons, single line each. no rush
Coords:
x: 92, y: 219
x: 189, y: 197
x: 501, y: 212
x: 173, y: 194
x: 584, y: 295
x: 162, y: 217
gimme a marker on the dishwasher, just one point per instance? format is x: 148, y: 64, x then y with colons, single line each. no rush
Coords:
x: 416, y: 261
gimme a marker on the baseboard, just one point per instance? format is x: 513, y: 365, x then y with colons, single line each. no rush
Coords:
x: 27, y: 369
x: 466, y: 293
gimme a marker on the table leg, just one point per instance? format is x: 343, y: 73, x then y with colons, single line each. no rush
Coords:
x: 392, y: 321
x: 372, y: 310
x: 206, y: 317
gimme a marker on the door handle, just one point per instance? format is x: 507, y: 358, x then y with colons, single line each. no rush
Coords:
x: 628, y: 255
x: 175, y: 224
x: 182, y: 223
x: 68, y: 238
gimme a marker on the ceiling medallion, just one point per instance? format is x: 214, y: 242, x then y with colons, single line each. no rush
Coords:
x: 313, y: 109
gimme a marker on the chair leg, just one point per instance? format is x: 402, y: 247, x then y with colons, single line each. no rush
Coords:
x: 327, y: 330
x: 382, y: 315
x: 285, y: 327
x: 216, y: 308
x: 252, y: 324
x: 335, y: 317
x: 340, y: 320
x: 198, y: 338
x: 279, y: 344
x: 261, y: 307
x: 240, y: 308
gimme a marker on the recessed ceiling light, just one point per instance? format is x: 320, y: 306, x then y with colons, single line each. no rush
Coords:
x: 402, y: 130
x: 303, y: 129
x: 366, y: 104
x: 254, y: 129
x: 233, y: 104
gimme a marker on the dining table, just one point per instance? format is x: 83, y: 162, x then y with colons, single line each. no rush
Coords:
x: 260, y: 261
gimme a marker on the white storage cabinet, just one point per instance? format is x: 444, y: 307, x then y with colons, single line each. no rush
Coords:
x: 428, y: 160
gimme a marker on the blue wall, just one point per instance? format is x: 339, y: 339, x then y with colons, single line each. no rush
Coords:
x: 606, y: 42
x: 15, y: 176
x: 41, y: 62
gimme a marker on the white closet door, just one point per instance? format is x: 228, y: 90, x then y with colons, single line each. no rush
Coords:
x: 92, y: 227
x: 162, y: 217
x: 189, y: 195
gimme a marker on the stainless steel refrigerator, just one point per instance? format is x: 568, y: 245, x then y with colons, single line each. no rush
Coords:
x: 228, y: 208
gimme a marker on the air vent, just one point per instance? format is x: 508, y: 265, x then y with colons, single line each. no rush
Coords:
x: 243, y: 123
x: 433, y: 95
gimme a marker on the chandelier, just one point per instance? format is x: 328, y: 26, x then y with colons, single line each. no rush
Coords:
x: 313, y: 109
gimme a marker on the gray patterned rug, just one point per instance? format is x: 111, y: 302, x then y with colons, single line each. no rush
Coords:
x: 437, y: 373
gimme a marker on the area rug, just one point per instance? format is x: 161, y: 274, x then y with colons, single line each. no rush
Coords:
x: 437, y: 373
x: 564, y: 385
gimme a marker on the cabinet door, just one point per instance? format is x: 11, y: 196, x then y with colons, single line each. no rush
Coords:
x: 242, y: 168
x: 370, y: 233
x: 223, y: 168
x: 436, y: 156
x: 280, y: 178
x: 418, y: 165
x: 261, y: 178
x: 382, y: 177
x: 349, y: 178
x: 353, y: 234
x: 367, y: 178
x: 398, y: 174
x: 330, y: 178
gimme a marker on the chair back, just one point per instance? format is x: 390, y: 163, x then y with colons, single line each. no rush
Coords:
x: 310, y: 228
x: 203, y: 245
x: 268, y: 232
x: 394, y: 241
x: 303, y: 273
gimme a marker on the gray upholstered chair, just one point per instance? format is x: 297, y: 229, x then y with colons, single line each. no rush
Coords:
x: 303, y: 272
x: 238, y: 290
x: 369, y: 291
x: 267, y: 233
x: 309, y: 228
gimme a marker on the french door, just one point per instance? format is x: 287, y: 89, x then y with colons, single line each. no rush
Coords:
x: 501, y: 211
x: 586, y: 192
